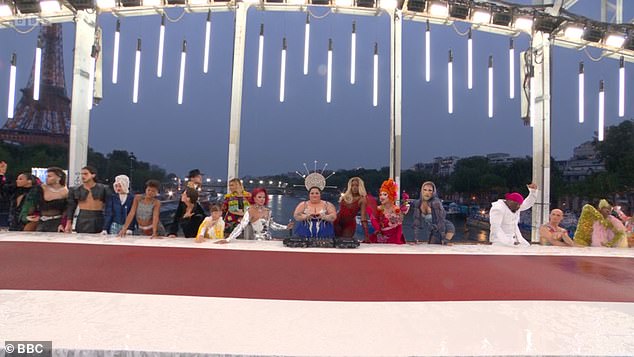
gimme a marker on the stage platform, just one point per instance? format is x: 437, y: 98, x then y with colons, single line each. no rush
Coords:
x: 93, y: 294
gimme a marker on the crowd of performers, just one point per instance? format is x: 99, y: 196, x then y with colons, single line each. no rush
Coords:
x: 51, y: 207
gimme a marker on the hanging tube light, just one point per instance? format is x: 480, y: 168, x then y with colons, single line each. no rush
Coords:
x: 470, y: 61
x: 137, y: 68
x: 159, y: 66
x: 582, y: 89
x: 490, y: 86
x: 306, y: 43
x: 511, y: 69
x: 207, y: 42
x: 375, y: 87
x: 181, y: 77
x: 329, y: 74
x: 621, y: 87
x: 353, y: 52
x: 450, y: 83
x: 38, y: 70
x: 427, y: 53
x: 115, y: 53
x: 283, y: 71
x: 260, y: 55
x: 12, y: 75
x: 600, y: 129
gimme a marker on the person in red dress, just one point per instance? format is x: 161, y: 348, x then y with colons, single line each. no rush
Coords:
x: 388, y: 218
x: 352, y: 203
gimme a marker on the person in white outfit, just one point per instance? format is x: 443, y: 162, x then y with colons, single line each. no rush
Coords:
x: 505, y: 215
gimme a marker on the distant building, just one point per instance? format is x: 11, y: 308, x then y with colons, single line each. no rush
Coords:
x: 584, y: 162
x: 446, y: 165
x: 501, y: 159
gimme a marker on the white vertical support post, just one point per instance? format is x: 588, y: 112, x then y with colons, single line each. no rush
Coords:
x: 604, y: 10
x: 396, y: 81
x: 85, y: 24
x: 541, y: 131
x: 239, y: 44
x: 619, y: 11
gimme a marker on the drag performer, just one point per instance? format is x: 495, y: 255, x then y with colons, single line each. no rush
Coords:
x: 118, y: 205
x: 314, y: 217
x: 430, y: 223
x: 90, y: 197
x: 598, y: 228
x: 235, y: 204
x: 51, y: 200
x: 352, y: 203
x: 505, y: 216
x: 388, y: 218
x: 257, y: 221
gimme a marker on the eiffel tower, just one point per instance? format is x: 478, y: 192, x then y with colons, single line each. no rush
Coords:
x: 46, y: 121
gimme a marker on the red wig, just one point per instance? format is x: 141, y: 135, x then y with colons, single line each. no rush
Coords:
x: 255, y: 192
x: 390, y: 187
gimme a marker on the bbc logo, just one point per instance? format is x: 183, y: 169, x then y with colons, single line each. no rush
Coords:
x: 28, y: 348
x: 25, y: 23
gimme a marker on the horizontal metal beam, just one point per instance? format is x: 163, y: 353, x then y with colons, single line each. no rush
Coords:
x: 66, y: 15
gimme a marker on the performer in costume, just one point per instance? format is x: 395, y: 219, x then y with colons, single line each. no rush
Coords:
x: 430, y: 223
x: 388, y: 218
x: 235, y: 204
x: 314, y: 217
x: 352, y: 203
x: 257, y: 221
x: 598, y: 228
x: 505, y: 216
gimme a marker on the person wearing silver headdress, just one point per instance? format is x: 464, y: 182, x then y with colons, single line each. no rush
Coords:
x: 315, y: 217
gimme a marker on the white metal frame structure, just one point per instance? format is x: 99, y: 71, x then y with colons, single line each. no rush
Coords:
x: 547, y: 27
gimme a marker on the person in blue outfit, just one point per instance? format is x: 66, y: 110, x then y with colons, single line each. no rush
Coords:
x: 118, y: 205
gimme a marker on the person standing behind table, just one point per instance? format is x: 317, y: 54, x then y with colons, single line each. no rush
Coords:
x: 235, y: 204
x: 352, y: 202
x: 146, y: 210
x: 51, y: 201
x: 504, y: 218
x: 17, y: 194
x: 118, y: 205
x: 189, y: 215
x: 91, y: 198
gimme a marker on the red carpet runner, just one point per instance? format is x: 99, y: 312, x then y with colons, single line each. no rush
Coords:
x: 298, y: 275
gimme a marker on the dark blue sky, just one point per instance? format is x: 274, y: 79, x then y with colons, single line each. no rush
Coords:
x: 349, y: 132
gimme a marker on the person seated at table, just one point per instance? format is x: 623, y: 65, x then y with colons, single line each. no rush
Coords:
x: 599, y: 228
x: 314, y: 219
x: 551, y: 234
x: 212, y: 227
x: 257, y: 221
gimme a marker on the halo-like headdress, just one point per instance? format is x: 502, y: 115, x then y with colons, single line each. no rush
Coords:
x: 315, y: 179
x: 391, y: 188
